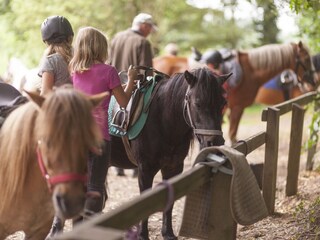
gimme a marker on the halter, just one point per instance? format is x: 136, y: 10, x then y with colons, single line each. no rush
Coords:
x: 188, y: 119
x: 308, y: 72
x: 62, y: 178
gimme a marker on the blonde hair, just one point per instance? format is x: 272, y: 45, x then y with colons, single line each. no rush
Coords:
x: 91, y: 46
x: 64, y: 49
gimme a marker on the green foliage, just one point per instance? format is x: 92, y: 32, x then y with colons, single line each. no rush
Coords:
x: 178, y: 22
x: 314, y: 126
x: 309, y: 11
x: 268, y: 25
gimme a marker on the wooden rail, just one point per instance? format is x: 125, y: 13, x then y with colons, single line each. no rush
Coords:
x: 155, y: 200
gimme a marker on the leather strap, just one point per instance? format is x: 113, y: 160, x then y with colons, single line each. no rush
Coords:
x: 127, y: 146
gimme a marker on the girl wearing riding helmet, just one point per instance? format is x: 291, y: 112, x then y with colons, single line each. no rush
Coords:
x: 57, y: 33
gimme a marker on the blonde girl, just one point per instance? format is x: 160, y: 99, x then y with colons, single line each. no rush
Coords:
x: 92, y: 75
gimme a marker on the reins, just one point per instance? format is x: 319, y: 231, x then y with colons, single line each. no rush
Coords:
x: 189, y: 121
x: 62, y: 178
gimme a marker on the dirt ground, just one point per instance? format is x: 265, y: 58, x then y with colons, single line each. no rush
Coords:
x: 295, y: 217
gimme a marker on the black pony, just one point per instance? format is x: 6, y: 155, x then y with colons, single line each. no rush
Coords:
x: 184, y: 106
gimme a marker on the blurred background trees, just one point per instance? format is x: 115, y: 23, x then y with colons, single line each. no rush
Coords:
x: 187, y: 23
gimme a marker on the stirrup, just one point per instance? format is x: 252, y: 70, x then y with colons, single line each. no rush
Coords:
x: 119, y: 122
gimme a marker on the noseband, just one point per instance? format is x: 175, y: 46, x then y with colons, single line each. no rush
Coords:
x: 188, y: 119
x: 62, y: 178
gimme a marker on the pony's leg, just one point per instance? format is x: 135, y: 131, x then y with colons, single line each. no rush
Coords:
x: 234, y: 119
x: 167, y: 230
x: 145, y: 182
x: 57, y: 226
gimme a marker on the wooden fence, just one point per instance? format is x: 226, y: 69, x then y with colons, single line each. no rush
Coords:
x: 115, y: 223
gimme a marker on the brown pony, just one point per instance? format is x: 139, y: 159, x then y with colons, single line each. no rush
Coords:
x: 59, y: 131
x: 260, y: 65
x: 170, y: 64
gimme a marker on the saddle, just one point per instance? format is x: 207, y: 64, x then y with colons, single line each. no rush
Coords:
x: 10, y: 99
x: 283, y: 82
x: 231, y: 64
x: 130, y: 121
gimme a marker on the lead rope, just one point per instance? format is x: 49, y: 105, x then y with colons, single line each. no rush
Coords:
x: 132, y: 233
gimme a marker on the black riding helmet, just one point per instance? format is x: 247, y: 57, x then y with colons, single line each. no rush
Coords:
x: 212, y: 56
x: 56, y: 29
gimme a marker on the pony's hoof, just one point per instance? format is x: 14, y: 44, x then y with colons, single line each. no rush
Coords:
x: 170, y: 237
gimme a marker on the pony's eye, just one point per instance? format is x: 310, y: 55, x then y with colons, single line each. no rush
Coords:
x: 197, y: 103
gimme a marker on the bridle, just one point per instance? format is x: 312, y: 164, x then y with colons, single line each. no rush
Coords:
x: 307, y: 75
x: 62, y: 178
x: 189, y: 121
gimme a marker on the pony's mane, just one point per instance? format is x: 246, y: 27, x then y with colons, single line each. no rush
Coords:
x: 17, y: 149
x: 64, y: 121
x: 271, y: 56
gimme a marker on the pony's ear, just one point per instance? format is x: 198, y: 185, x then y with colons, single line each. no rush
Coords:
x: 97, y: 98
x: 223, y: 78
x: 191, y: 79
x: 36, y: 98
x: 300, y: 44
x: 196, y: 54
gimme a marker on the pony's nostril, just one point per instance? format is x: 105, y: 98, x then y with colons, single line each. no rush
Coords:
x: 61, y: 202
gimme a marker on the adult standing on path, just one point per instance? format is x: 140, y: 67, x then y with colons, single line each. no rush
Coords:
x: 131, y: 47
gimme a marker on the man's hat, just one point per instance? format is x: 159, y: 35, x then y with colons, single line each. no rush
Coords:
x: 145, y: 18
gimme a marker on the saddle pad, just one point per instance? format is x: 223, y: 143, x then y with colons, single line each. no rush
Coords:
x: 138, y: 118
x: 247, y: 205
x: 136, y: 128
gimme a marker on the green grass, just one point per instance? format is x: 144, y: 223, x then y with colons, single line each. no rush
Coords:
x: 251, y: 115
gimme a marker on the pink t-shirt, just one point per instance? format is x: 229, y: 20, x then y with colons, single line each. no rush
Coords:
x: 99, y: 78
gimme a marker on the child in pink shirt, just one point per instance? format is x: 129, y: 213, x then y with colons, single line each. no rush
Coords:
x: 91, y: 75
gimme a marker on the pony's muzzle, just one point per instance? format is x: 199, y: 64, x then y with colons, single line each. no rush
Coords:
x: 68, y: 203
x: 207, y: 141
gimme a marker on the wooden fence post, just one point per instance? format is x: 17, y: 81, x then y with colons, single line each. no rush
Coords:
x: 271, y: 158
x: 294, y: 149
